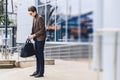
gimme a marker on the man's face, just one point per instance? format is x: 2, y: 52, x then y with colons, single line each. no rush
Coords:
x: 32, y: 13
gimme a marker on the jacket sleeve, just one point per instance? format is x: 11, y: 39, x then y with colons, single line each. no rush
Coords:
x: 41, y: 27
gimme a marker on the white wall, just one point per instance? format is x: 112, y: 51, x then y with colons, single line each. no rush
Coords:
x: 24, y: 20
x: 108, y: 16
x: 111, y: 20
x: 98, y: 24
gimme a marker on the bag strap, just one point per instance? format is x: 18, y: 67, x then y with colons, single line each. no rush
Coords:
x: 28, y: 41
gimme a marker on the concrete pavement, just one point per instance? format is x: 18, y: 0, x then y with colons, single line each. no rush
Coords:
x: 62, y: 70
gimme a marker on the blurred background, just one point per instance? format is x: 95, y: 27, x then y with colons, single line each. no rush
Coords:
x: 84, y: 31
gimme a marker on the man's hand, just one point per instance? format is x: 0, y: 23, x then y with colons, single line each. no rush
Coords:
x: 31, y: 36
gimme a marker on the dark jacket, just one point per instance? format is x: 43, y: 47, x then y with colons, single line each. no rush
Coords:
x: 38, y: 28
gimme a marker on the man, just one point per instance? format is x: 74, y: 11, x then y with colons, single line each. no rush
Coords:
x: 38, y: 35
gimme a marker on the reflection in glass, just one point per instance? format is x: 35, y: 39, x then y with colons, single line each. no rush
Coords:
x: 66, y: 20
x: 41, y: 2
x: 50, y: 21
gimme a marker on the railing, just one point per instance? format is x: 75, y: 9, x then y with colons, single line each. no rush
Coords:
x: 98, y: 35
x: 69, y: 51
x: 12, y: 53
x: 66, y: 51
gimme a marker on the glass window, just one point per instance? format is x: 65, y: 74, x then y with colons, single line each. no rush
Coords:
x: 51, y: 22
x: 67, y: 20
x: 48, y: 1
x: 62, y: 31
x: 1, y: 7
x: 41, y: 2
x: 41, y: 11
x: 45, y: 1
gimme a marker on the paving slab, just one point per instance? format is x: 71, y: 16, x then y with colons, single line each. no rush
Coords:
x: 62, y: 70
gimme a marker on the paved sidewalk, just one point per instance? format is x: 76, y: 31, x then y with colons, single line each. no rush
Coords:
x: 62, y: 70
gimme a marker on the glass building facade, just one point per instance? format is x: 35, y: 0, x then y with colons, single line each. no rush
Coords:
x: 67, y: 20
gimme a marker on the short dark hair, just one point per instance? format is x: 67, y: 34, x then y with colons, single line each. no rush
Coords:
x: 32, y: 8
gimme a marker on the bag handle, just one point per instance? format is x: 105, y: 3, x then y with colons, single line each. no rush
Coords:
x: 28, y: 41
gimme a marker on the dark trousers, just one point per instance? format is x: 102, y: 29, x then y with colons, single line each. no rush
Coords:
x: 39, y: 45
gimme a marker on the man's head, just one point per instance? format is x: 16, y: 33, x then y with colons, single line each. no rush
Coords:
x: 32, y: 11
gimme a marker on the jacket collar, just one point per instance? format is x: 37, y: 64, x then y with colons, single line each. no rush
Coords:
x: 36, y: 16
